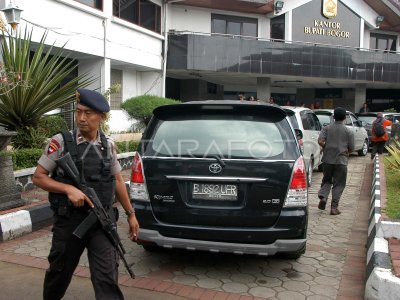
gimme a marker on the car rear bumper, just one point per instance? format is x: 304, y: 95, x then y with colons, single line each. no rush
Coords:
x: 154, y: 236
x: 290, y: 225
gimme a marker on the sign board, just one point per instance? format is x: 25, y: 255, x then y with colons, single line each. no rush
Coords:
x: 326, y: 22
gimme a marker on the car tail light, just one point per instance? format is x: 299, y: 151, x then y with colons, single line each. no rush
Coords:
x: 137, y: 187
x: 297, y: 195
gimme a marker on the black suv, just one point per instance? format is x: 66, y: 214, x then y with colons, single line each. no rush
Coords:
x: 221, y: 176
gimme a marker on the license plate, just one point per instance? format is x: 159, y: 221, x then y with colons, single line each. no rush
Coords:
x: 214, y: 191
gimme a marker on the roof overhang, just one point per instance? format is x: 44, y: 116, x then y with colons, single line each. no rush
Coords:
x: 390, y: 9
x: 245, y: 6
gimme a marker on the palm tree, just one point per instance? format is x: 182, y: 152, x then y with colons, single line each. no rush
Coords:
x: 32, y: 82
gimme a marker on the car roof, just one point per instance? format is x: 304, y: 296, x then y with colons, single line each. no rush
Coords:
x: 323, y: 111
x: 295, y: 108
x: 375, y: 113
x: 221, y: 105
x: 390, y: 113
x: 327, y: 111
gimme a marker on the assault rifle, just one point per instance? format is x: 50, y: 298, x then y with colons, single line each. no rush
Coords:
x: 97, y: 212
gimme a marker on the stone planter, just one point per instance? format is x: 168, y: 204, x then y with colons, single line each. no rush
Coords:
x: 9, y: 195
x: 381, y: 283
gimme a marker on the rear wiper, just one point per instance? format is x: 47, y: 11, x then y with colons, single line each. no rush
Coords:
x: 219, y: 160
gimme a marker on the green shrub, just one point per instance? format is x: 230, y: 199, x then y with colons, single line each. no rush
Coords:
x: 36, y: 137
x: 25, y: 158
x: 392, y: 206
x: 52, y: 125
x: 28, y: 158
x: 5, y: 153
x: 141, y: 107
x: 29, y: 137
x: 393, y: 158
x: 126, y: 146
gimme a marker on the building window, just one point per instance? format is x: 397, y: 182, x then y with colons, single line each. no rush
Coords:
x: 92, y: 3
x: 140, y: 12
x: 116, y: 98
x: 382, y: 42
x: 278, y: 28
x: 234, y: 25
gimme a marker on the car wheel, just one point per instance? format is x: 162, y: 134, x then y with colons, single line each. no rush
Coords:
x: 364, y: 149
x: 294, y: 254
x: 310, y: 172
x: 151, y: 247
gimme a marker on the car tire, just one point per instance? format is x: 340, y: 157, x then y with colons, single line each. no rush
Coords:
x: 310, y: 172
x: 294, y: 254
x: 364, y: 150
x: 152, y: 248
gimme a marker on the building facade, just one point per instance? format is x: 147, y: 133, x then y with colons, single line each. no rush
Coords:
x: 325, y: 52
x: 115, y: 41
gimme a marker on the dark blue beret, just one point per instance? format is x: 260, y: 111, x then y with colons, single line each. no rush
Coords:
x: 92, y: 99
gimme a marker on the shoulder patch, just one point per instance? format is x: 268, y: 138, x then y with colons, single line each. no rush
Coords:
x: 53, y: 146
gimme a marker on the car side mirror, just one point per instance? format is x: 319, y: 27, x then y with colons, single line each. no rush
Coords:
x: 299, y: 134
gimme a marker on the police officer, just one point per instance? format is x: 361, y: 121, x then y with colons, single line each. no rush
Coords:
x: 95, y: 157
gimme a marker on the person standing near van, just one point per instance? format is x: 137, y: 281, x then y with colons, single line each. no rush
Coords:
x: 337, y: 142
x: 364, y: 108
x: 379, y: 135
x: 96, y: 159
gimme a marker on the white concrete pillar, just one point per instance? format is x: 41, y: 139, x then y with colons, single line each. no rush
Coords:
x: 99, y: 69
x: 106, y: 75
x: 362, y: 29
x: 263, y: 88
x: 360, y: 96
x: 106, y: 67
x: 288, y: 26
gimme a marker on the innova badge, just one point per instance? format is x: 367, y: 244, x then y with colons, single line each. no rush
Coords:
x: 215, y: 168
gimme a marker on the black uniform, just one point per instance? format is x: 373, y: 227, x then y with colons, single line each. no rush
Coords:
x: 95, y: 161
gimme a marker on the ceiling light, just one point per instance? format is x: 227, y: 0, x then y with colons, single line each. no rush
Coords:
x: 13, y: 14
x: 379, y: 20
x: 278, y: 6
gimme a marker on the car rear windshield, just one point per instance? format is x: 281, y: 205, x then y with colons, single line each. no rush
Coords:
x: 324, y: 119
x: 367, y: 119
x: 223, y: 135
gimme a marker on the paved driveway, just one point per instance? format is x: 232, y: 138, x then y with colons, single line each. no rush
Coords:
x: 333, y: 266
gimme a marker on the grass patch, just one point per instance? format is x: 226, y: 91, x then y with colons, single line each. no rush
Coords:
x: 392, y: 209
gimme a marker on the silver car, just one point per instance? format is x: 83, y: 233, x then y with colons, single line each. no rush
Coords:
x: 305, y: 119
x: 361, y: 140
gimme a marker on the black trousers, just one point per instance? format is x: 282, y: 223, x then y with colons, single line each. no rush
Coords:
x: 66, y: 251
x: 377, y: 147
x: 334, y: 178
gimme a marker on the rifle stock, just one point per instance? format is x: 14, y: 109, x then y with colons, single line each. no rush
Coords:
x: 67, y: 164
x: 96, y: 214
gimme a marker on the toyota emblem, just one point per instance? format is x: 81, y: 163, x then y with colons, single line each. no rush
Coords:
x: 215, y: 168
